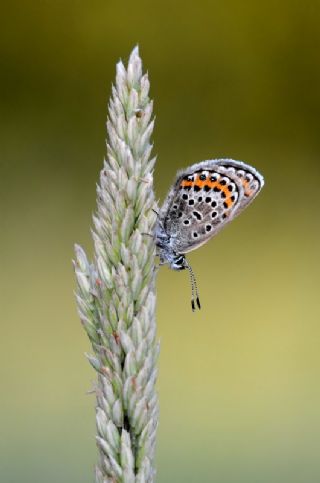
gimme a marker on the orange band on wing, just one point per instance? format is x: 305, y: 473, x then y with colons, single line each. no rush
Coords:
x: 187, y: 183
x: 229, y: 202
x: 212, y: 184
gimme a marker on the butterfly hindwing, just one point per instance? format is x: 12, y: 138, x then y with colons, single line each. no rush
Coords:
x: 250, y: 179
x: 205, y: 198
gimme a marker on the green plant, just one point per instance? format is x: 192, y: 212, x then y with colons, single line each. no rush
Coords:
x: 116, y: 292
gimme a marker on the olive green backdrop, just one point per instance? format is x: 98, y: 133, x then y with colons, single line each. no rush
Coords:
x: 239, y: 381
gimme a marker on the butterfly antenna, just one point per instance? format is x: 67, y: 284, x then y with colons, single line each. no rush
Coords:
x: 194, y: 290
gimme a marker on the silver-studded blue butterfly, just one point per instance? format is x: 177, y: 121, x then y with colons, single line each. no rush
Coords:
x: 203, y: 199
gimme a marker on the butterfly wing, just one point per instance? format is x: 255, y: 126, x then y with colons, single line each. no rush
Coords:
x: 250, y: 179
x: 205, y: 198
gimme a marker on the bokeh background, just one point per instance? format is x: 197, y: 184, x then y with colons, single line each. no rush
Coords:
x: 239, y: 381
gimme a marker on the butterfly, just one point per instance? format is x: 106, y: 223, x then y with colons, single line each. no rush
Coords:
x: 203, y: 199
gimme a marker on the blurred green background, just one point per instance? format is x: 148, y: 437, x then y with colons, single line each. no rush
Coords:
x: 239, y: 381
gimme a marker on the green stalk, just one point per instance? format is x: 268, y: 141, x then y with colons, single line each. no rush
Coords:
x: 116, y: 292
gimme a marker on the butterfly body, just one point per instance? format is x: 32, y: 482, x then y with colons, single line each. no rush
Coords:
x: 203, y: 199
